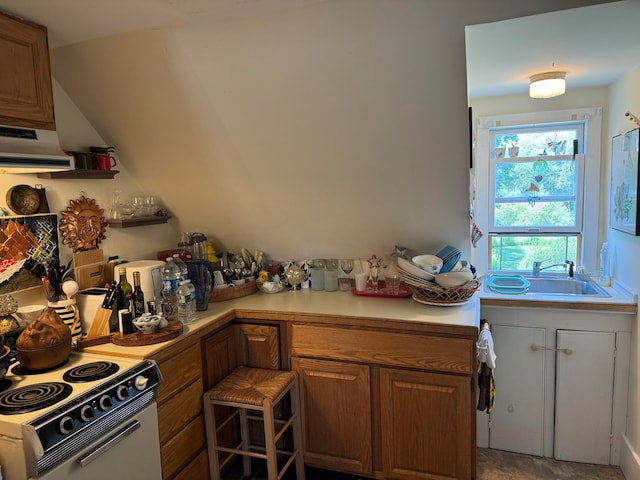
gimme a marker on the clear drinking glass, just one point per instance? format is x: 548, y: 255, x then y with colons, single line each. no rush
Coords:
x: 344, y: 281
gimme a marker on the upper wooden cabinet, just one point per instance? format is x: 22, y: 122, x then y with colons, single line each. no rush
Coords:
x: 26, y: 96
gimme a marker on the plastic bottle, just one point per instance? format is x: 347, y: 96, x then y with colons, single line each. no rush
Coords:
x: 186, y: 302
x: 605, y: 276
x: 184, y: 272
x: 170, y: 279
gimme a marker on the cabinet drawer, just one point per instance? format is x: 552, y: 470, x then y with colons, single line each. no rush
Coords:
x: 426, y: 352
x: 178, y: 371
x: 181, y: 449
x: 198, y: 468
x: 179, y: 410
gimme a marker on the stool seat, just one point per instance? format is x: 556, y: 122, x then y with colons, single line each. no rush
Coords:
x: 251, y: 386
x: 249, y: 389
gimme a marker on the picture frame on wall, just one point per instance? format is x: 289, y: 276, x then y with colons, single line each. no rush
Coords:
x: 623, y: 202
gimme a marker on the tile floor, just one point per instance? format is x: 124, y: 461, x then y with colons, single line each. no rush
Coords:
x: 500, y: 465
x: 492, y: 465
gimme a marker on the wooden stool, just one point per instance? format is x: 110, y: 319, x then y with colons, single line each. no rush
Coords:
x: 258, y: 390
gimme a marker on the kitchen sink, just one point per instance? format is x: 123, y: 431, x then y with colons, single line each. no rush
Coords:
x: 565, y: 286
x: 561, y: 286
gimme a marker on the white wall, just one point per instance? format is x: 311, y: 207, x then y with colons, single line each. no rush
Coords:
x: 336, y: 129
x: 76, y: 133
x: 625, y: 250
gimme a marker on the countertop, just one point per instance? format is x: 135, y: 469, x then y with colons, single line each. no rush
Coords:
x: 315, y: 305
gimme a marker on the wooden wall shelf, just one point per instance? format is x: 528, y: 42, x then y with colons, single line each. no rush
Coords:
x: 137, y: 222
x: 85, y: 174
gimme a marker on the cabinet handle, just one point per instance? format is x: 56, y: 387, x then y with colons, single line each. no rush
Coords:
x: 568, y: 351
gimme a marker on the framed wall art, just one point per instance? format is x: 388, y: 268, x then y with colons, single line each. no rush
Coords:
x: 623, y: 214
x: 26, y: 241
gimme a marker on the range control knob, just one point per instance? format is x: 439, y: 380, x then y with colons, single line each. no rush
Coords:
x: 140, y: 382
x: 65, y: 427
x: 122, y: 393
x: 104, y: 403
x: 86, y: 413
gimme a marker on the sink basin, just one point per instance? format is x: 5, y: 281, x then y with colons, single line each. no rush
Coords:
x: 563, y: 286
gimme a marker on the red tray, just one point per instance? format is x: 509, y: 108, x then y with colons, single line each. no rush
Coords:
x: 403, y: 292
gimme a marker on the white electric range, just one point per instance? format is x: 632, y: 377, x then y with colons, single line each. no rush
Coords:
x: 87, y: 418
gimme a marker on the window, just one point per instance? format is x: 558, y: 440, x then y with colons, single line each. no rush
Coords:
x: 532, y: 170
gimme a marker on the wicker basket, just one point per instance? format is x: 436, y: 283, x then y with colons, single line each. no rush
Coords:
x: 435, y: 294
x: 222, y: 294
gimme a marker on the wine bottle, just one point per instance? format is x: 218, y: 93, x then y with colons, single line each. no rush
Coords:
x: 124, y: 291
x: 138, y: 296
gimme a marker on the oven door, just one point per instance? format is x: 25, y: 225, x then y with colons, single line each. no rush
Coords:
x: 130, y: 452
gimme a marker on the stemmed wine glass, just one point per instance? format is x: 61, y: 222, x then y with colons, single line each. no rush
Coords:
x: 294, y: 276
x: 346, y: 265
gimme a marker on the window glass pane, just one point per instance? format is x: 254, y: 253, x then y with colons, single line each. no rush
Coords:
x: 552, y: 139
x: 548, y: 214
x: 537, y: 193
x: 517, y: 253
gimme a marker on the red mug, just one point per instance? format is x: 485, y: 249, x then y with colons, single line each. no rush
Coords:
x: 104, y: 161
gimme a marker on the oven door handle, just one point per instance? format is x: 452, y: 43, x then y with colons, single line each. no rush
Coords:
x: 109, y: 443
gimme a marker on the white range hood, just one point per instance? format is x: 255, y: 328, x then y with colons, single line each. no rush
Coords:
x: 29, y: 150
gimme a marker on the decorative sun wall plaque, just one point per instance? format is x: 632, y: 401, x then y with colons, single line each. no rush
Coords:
x: 623, y: 206
x: 83, y: 224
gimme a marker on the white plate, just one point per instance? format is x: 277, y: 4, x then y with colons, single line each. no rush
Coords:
x: 417, y: 280
x: 414, y: 269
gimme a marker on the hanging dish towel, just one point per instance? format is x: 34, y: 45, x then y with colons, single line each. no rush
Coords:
x: 487, y: 358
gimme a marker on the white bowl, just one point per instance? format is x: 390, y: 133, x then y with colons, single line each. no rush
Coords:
x: 271, y: 287
x: 28, y: 313
x: 430, y: 263
x: 413, y: 269
x: 147, y: 323
x: 453, y: 279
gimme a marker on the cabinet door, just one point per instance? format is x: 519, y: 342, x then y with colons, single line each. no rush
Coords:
x: 336, y: 413
x: 260, y: 346
x: 517, y: 419
x: 26, y: 97
x: 220, y: 356
x: 426, y: 425
x: 584, y: 396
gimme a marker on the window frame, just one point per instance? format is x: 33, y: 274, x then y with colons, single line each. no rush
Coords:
x: 589, y: 161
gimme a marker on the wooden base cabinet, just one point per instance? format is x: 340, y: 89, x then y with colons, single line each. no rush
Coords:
x: 336, y: 412
x: 391, y: 405
x: 426, y: 422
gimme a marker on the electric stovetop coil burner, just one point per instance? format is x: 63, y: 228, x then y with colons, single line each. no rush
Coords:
x: 90, y: 372
x: 33, y: 397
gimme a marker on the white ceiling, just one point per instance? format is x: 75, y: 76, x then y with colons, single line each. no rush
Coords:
x: 595, y: 45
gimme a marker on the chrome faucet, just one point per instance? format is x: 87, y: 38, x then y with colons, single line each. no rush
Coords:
x: 537, y: 267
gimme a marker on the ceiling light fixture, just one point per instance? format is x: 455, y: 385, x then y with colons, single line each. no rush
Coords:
x: 547, y: 85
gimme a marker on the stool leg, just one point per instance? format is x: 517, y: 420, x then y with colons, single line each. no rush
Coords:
x: 246, y: 440
x: 297, y: 433
x: 212, y: 440
x: 270, y: 440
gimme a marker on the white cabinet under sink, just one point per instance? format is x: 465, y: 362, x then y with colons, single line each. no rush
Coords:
x: 561, y: 378
x: 518, y: 414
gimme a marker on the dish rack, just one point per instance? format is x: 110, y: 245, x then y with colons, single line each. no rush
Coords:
x: 435, y: 294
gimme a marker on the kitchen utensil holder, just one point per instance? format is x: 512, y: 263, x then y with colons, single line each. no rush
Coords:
x: 237, y: 291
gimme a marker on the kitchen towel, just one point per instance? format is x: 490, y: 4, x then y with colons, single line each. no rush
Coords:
x: 487, y: 358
